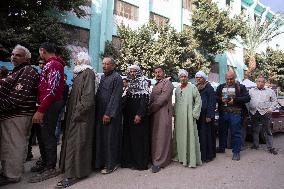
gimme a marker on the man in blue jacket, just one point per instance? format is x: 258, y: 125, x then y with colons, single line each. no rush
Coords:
x: 231, y: 97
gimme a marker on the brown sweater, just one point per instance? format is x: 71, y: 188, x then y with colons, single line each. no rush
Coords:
x: 18, y: 92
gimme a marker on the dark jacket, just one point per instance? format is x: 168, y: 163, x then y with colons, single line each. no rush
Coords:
x: 242, y: 96
x: 208, y: 101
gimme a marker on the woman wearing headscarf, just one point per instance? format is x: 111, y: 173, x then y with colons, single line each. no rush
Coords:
x: 206, y: 130
x: 135, y: 146
x: 187, y: 110
x: 77, y: 146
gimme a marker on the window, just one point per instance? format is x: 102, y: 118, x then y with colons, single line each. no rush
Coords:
x: 116, y: 42
x: 158, y: 19
x: 228, y: 2
x: 126, y: 10
x: 256, y: 18
x: 187, y: 4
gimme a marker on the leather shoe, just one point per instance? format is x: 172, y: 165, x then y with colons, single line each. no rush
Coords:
x: 254, y: 147
x: 236, y: 157
x: 155, y: 169
x: 5, y: 181
x: 273, y: 151
x: 220, y: 150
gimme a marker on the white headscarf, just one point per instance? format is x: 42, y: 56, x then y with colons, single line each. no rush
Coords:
x: 84, y: 61
x: 201, y: 74
x: 182, y: 72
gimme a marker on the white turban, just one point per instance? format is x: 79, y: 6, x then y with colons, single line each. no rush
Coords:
x: 84, y: 58
x: 182, y: 72
x: 201, y: 74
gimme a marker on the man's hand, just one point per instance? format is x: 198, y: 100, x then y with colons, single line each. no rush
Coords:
x: 38, y: 117
x: 208, y: 120
x: 231, y: 102
x: 137, y: 119
x: 106, y: 120
x: 269, y: 110
x: 224, y: 100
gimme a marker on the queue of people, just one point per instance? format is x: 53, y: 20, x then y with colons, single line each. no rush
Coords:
x: 116, y: 123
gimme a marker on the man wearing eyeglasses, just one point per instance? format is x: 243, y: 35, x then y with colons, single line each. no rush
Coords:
x: 231, y: 97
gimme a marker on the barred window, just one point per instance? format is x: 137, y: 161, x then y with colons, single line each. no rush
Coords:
x: 126, y: 10
x: 158, y: 19
x: 228, y: 2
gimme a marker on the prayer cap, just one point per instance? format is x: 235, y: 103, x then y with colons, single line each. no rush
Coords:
x: 201, y: 74
x: 182, y: 72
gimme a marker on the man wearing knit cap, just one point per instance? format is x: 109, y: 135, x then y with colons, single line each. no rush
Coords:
x: 187, y: 110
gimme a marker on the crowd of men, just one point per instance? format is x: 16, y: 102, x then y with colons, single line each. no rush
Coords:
x: 112, y: 123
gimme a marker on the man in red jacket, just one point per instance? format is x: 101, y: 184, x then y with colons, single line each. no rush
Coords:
x: 50, y: 102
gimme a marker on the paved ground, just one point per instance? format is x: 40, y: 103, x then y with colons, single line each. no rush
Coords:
x: 256, y: 170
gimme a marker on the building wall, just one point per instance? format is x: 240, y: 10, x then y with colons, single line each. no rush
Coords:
x: 102, y: 23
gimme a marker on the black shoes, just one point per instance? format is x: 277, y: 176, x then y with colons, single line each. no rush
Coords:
x: 38, y: 167
x: 44, y: 175
x: 254, y: 147
x: 273, y: 151
x: 236, y: 157
x: 155, y: 169
x: 29, y: 157
x: 5, y: 180
x: 220, y: 150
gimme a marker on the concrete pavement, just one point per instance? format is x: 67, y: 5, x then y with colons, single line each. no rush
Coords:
x: 257, y: 169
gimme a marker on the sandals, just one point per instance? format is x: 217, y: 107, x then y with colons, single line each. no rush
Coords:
x: 108, y: 171
x: 66, y: 182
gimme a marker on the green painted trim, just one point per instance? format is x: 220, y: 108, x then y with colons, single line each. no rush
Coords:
x: 259, y: 9
x: 247, y: 2
x: 71, y: 19
x: 269, y: 15
x: 95, y: 33
x: 75, y: 21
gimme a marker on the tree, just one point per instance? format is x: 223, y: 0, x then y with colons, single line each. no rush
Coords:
x: 213, y: 28
x: 270, y: 65
x: 151, y: 45
x: 259, y: 32
x: 29, y: 22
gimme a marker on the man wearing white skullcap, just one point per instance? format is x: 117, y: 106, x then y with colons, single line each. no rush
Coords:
x: 187, y: 110
x: 201, y: 74
x: 182, y: 72
x: 205, y: 122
